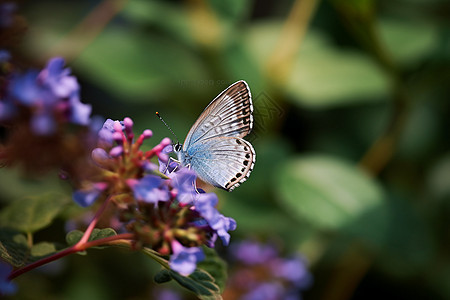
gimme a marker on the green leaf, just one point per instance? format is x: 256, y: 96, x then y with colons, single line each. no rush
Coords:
x: 409, y: 41
x: 32, y: 213
x: 322, y: 75
x: 214, y: 265
x: 14, y: 185
x: 13, y: 247
x: 167, y: 16
x: 75, y: 236
x: 138, y: 66
x: 233, y: 10
x: 409, y: 243
x: 163, y: 276
x: 325, y: 191
x: 325, y: 76
x: 200, y: 281
x: 43, y: 249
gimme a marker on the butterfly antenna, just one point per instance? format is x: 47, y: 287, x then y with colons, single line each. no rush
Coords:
x: 168, y: 127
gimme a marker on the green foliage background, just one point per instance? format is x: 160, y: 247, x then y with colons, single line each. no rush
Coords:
x: 351, y: 130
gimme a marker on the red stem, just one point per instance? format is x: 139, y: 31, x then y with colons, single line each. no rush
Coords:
x: 94, y: 221
x: 82, y: 244
x: 75, y: 248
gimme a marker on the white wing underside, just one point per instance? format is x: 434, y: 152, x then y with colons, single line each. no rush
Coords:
x: 214, y: 147
x: 227, y: 163
x: 229, y: 114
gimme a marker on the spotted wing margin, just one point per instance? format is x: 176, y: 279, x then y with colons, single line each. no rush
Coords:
x: 227, y: 163
x: 229, y: 114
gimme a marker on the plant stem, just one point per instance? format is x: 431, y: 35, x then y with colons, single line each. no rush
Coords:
x: 279, y: 64
x: 74, y: 249
x: 86, y: 31
x: 94, y: 221
x: 82, y: 244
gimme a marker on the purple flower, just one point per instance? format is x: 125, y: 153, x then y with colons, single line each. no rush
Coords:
x: 183, y: 181
x: 151, y: 189
x: 79, y: 113
x: 205, y: 205
x: 184, y: 260
x: 4, y: 55
x: 265, y: 291
x: 168, y: 166
x: 101, y: 157
x: 6, y: 13
x: 49, y: 93
x: 6, y: 287
x: 7, y: 110
x: 25, y: 89
x: 284, y: 278
x: 57, y: 79
x: 166, y: 295
x: 43, y: 124
x: 252, y: 253
x: 105, y: 135
x: 86, y: 197
x: 293, y: 270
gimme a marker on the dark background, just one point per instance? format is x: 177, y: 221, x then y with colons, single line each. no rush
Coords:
x: 351, y: 129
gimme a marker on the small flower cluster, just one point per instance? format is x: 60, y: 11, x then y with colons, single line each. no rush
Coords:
x: 260, y: 273
x: 49, y: 98
x: 164, y: 211
x: 39, y: 111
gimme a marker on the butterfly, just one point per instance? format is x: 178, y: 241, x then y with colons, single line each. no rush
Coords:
x: 214, y: 146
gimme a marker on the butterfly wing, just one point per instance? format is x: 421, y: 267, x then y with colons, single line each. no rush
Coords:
x: 229, y: 114
x: 224, y: 162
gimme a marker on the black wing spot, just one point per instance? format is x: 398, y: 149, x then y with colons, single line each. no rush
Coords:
x: 243, y: 170
x: 245, y: 149
x: 233, y: 179
x: 247, y: 155
x: 246, y: 162
x: 238, y: 174
x: 227, y: 185
x: 239, y: 142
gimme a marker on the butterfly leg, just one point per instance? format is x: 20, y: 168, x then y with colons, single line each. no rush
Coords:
x: 195, y: 181
x: 171, y: 159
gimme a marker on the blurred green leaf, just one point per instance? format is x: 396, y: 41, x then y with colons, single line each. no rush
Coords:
x: 408, y: 41
x: 166, y: 16
x: 325, y: 191
x: 14, y: 185
x: 215, y: 266
x: 33, y: 213
x: 233, y: 10
x: 13, y: 247
x: 437, y: 178
x: 322, y: 75
x: 409, y: 243
x: 140, y: 65
x: 75, y: 236
x: 43, y: 249
x: 199, y: 282
x: 325, y: 76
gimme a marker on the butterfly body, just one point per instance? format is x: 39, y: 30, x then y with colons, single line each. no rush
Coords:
x: 214, y: 146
